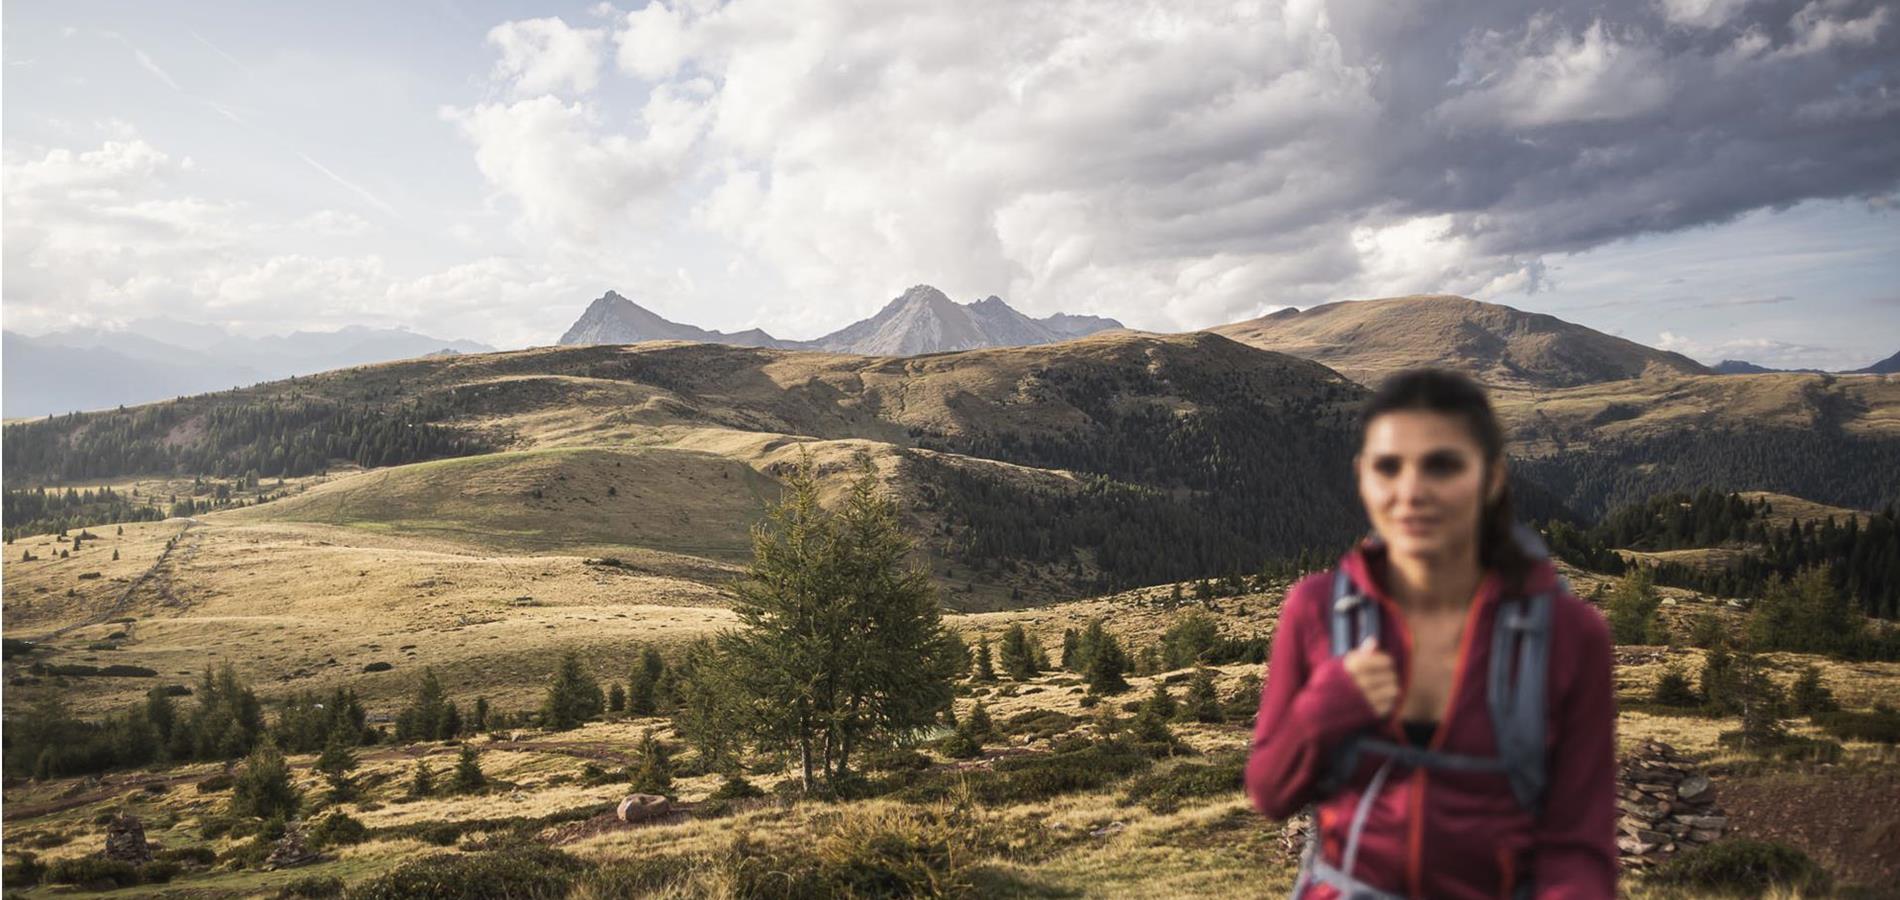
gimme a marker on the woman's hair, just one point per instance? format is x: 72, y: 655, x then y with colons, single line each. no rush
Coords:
x: 1453, y: 394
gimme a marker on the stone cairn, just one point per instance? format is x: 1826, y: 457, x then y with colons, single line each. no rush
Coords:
x: 125, y: 840
x: 1668, y: 806
x: 290, y: 850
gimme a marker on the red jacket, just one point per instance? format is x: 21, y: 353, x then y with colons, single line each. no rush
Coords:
x: 1440, y: 833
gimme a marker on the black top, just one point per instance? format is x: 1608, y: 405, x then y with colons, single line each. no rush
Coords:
x: 1419, y: 733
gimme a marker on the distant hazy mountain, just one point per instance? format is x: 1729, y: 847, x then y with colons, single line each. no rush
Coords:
x: 1504, y: 347
x: 922, y: 320
x: 614, y: 319
x: 1740, y: 367
x: 1886, y: 366
x: 156, y: 359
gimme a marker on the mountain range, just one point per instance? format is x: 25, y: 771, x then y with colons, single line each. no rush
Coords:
x: 921, y: 320
x: 1887, y: 366
x: 156, y: 359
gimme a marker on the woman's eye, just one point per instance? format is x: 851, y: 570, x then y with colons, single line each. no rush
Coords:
x: 1388, y: 467
x: 1444, y: 464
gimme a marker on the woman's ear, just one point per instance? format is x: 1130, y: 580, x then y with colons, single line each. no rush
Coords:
x: 1500, y: 477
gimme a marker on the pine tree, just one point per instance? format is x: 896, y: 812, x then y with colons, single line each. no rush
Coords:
x: 336, y: 762
x: 1069, y: 638
x: 653, y: 773
x: 468, y: 776
x: 573, y: 696
x: 1244, y: 704
x: 1104, y: 661
x: 840, y: 641
x: 1810, y: 694
x: 1635, y: 609
x: 1673, y: 689
x: 985, y: 667
x: 1203, y: 701
x: 1017, y: 655
x: 422, y: 782
x: 616, y: 698
x: 262, y: 788
x: 427, y: 712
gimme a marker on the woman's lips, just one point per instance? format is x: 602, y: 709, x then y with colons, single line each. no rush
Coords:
x: 1418, y: 525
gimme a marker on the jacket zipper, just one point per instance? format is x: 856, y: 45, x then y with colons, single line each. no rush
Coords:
x: 1415, y: 832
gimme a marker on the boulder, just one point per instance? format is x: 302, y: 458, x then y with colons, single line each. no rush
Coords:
x: 643, y: 807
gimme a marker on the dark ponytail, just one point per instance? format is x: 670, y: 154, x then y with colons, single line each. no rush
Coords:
x: 1456, y: 395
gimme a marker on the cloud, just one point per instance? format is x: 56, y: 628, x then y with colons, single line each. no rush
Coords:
x: 541, y: 56
x: 1774, y: 354
x: 108, y: 235
x: 1182, y: 166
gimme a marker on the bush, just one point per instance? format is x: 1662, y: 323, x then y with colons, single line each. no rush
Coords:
x: 337, y: 829
x: 1039, y: 724
x: 960, y: 745
x: 92, y: 872
x: 1027, y: 779
x: 1166, y: 791
x: 893, y: 853
x: 1810, y: 694
x: 892, y: 759
x: 736, y: 788
x: 193, y: 856
x: 312, y: 886
x: 1743, y: 866
x: 263, y: 789
x: 159, y: 871
x: 1673, y: 689
x: 526, y: 872
x: 24, y: 869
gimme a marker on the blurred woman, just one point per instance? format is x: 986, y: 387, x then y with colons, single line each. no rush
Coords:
x: 1433, y: 768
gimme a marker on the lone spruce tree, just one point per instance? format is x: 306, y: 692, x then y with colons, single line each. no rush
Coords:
x: 840, y: 643
x: 573, y: 695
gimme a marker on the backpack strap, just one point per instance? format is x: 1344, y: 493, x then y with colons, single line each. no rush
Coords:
x: 1515, y: 692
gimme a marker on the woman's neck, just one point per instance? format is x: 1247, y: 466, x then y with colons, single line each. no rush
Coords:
x: 1434, y: 584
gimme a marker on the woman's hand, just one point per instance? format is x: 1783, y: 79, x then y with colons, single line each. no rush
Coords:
x: 1372, y: 670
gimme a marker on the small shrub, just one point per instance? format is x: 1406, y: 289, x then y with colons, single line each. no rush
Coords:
x: 892, y: 759
x: 1674, y: 689
x: 1743, y: 866
x: 378, y: 666
x: 92, y: 872
x: 736, y: 788
x: 525, y: 872
x: 337, y: 829
x: 23, y: 870
x: 191, y: 856
x: 159, y: 871
x: 312, y: 886
x: 960, y: 745
x: 1167, y: 791
x: 893, y: 853
x: 1039, y: 724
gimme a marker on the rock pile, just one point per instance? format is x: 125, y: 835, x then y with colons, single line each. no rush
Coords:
x: 125, y: 840
x: 290, y: 851
x: 1668, y: 806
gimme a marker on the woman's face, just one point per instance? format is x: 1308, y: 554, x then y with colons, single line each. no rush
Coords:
x: 1424, y: 482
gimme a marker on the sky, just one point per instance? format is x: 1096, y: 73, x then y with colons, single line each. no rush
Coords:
x: 1715, y: 177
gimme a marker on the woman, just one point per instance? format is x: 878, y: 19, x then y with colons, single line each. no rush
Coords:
x: 1391, y: 736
